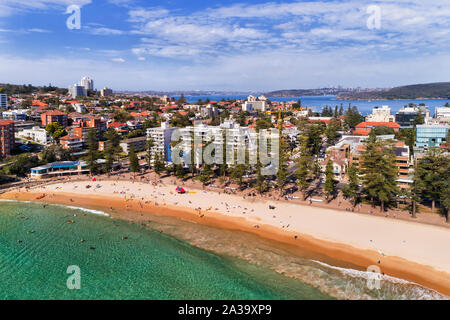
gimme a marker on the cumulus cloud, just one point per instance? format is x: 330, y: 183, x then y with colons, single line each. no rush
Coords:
x: 269, y: 45
x: 8, y: 7
x: 103, y: 31
x: 119, y: 60
x: 318, y: 26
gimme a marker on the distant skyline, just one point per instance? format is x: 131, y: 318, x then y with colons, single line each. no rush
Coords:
x: 229, y: 45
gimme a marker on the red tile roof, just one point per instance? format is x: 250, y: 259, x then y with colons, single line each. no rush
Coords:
x: 361, y: 132
x: 55, y: 113
x: 116, y: 125
x: 6, y: 122
x: 376, y: 124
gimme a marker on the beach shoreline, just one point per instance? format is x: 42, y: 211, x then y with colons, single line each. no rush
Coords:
x: 135, y: 201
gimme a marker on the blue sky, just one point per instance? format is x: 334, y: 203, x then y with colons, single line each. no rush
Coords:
x: 225, y: 45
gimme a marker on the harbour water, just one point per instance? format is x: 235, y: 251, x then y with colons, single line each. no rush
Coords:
x: 165, y: 259
x: 318, y: 102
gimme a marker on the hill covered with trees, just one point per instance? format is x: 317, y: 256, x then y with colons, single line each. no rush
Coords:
x: 11, y: 89
x: 418, y: 91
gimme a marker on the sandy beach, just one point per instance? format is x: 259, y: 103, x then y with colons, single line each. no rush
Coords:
x: 402, y: 249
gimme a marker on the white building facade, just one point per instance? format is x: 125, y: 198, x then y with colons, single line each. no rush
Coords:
x: 36, y: 134
x: 382, y: 114
x: 161, y: 137
x: 77, y: 91
x: 253, y: 104
x: 87, y: 83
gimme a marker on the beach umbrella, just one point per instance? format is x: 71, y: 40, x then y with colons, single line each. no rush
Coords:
x: 180, y: 190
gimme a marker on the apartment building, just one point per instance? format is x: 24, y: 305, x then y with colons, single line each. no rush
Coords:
x: 3, y: 101
x: 209, y: 111
x: 54, y: 116
x: 161, y: 136
x: 87, y: 83
x: 405, y: 116
x: 105, y: 92
x: 77, y: 91
x: 7, y: 138
x: 429, y: 136
x: 382, y: 114
x: 253, y: 104
x: 71, y: 143
x: 137, y: 143
x: 16, y: 115
x: 442, y: 112
x: 402, y: 161
x: 37, y: 134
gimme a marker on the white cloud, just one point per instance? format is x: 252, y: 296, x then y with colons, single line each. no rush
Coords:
x: 318, y: 26
x: 38, y: 30
x: 263, y: 46
x: 103, y: 31
x: 9, y: 7
x: 142, y: 15
x: 253, y: 71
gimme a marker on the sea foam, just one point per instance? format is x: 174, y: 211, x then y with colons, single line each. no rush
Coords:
x: 92, y: 211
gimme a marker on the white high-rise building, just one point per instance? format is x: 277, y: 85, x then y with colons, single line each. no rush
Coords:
x: 87, y: 83
x: 3, y: 101
x: 252, y: 104
x: 161, y: 136
x: 77, y: 91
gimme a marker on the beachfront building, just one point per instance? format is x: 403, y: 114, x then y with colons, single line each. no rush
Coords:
x: 54, y: 116
x: 340, y: 162
x: 58, y: 169
x: 402, y: 160
x: 7, y: 137
x: 3, y: 101
x: 237, y: 138
x: 382, y: 114
x: 161, y: 136
x: 405, y: 117
x: 253, y: 104
x: 37, y: 134
x: 429, y: 136
x: 71, y: 143
x: 137, y: 143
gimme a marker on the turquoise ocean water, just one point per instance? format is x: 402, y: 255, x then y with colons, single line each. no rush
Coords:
x: 37, y: 245
x: 165, y: 259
